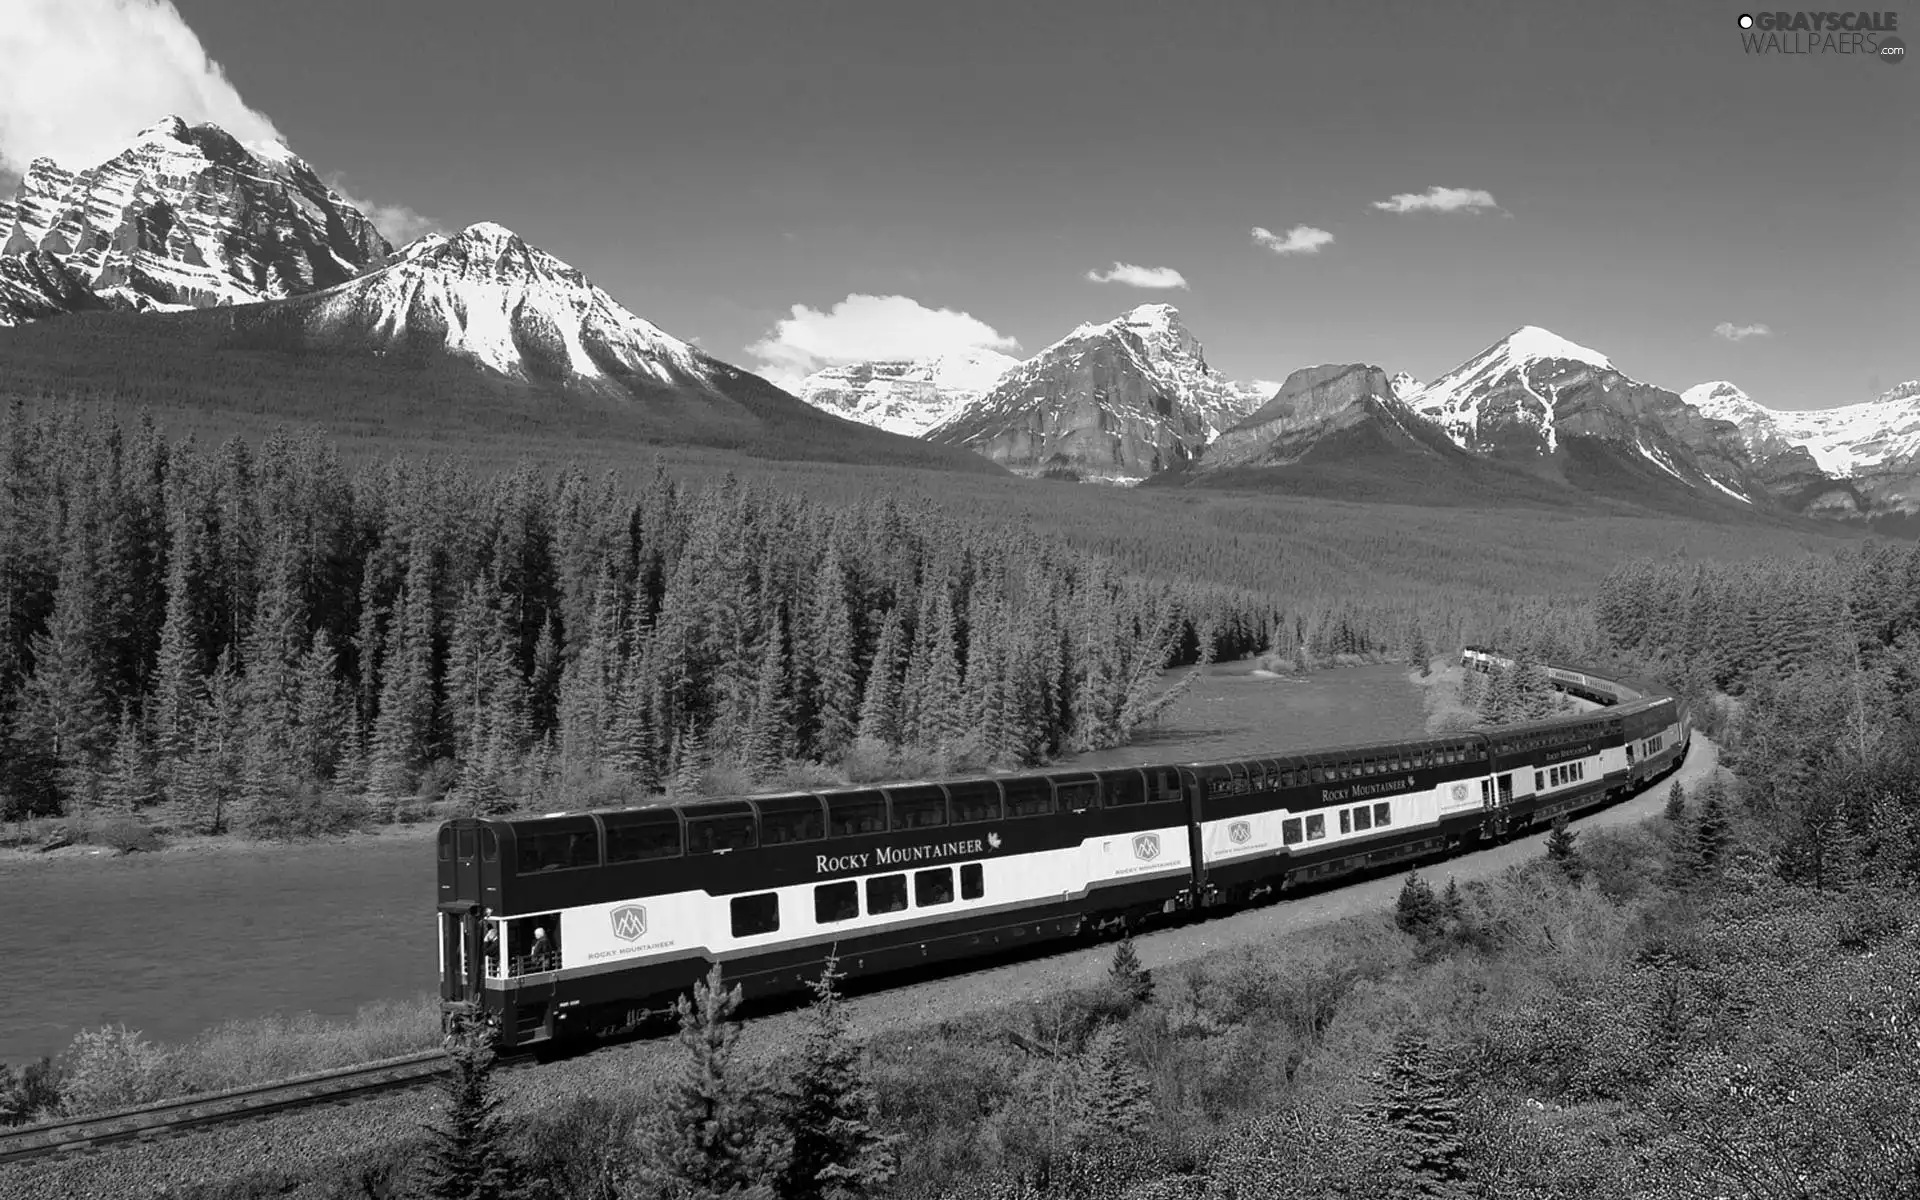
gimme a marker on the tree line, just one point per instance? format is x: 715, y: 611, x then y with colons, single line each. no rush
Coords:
x: 248, y: 634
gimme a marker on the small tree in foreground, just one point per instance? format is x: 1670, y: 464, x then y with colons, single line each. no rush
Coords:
x: 834, y: 1151
x: 702, y: 1145
x: 1133, y: 980
x: 1676, y: 802
x: 468, y: 1160
x: 1562, y: 852
x: 1417, y: 911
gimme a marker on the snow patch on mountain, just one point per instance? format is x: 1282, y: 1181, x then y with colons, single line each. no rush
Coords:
x: 1406, y: 388
x: 1172, y: 358
x: 1530, y: 358
x: 1843, y: 441
x: 486, y: 295
x: 907, y: 396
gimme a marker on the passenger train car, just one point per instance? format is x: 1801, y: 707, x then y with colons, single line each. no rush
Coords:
x: 574, y: 924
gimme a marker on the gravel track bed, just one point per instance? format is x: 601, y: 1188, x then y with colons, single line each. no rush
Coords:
x: 314, y: 1136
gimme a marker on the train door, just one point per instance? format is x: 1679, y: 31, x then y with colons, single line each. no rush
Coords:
x: 461, y: 962
x: 1506, y: 790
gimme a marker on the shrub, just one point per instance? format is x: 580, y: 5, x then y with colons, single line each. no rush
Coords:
x: 126, y: 836
x: 28, y: 1093
x: 303, y: 811
x: 113, y: 1067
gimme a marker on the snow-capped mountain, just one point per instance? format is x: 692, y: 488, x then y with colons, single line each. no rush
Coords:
x: 1845, y: 441
x: 1873, y: 446
x: 906, y: 396
x: 1325, y: 409
x: 1406, y: 387
x: 486, y: 296
x: 1528, y: 394
x: 188, y: 216
x: 1117, y: 401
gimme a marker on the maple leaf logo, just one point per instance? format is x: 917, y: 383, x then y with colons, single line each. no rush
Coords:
x: 993, y: 841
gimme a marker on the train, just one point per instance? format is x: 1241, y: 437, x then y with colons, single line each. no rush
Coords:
x: 561, y: 928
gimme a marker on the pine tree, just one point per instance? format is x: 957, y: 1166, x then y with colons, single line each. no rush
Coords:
x: 826, y: 1114
x: 1453, y: 907
x: 1111, y: 1099
x: 1676, y: 802
x: 129, y: 785
x: 320, y: 715
x: 836, y: 702
x: 1133, y: 980
x: 1416, y: 1102
x: 1416, y: 911
x: 469, y: 1160
x: 1712, y: 832
x: 1562, y: 852
x: 880, y: 705
x: 764, y: 748
x: 703, y: 1143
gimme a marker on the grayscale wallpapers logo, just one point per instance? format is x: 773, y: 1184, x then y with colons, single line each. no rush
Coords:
x: 1867, y: 34
x: 629, y: 922
x: 1146, y: 847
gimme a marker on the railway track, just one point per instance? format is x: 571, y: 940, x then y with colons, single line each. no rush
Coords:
x: 78, y: 1135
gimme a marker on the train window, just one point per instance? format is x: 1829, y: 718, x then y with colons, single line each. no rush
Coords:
x: 559, y: 850
x: 1164, y: 784
x: 918, y: 807
x: 1383, y: 814
x: 719, y: 835
x: 836, y: 902
x: 933, y: 887
x: 466, y: 843
x: 755, y: 915
x: 489, y: 845
x: 1346, y: 821
x: 791, y: 819
x: 642, y: 836
x: 1077, y: 795
x: 856, y: 813
x: 1031, y: 796
x: 887, y: 894
x: 446, y: 844
x: 1317, y: 774
x: 973, y: 882
x: 1316, y: 827
x: 1362, y: 818
x: 1539, y: 781
x: 974, y: 801
x: 1121, y: 788
x: 1290, y: 830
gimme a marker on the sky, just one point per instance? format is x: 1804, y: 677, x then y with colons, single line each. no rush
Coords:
x: 798, y: 184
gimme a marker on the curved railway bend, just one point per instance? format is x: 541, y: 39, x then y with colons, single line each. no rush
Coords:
x: 251, y: 1129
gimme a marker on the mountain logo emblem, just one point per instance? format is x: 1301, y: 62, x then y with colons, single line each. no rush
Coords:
x: 1146, y: 847
x: 1239, y: 832
x: 630, y: 922
x: 1459, y: 791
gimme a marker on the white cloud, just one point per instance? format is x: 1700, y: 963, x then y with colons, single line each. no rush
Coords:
x: 1440, y: 199
x: 863, y: 328
x: 1140, y: 277
x: 1740, y: 333
x: 1301, y: 239
x: 397, y: 222
x: 1266, y: 387
x: 83, y: 76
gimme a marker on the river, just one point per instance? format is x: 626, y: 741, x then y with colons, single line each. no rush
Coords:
x: 172, y: 944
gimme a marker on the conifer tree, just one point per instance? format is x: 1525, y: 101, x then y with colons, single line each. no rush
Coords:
x: 1133, y: 980
x: 320, y: 716
x: 880, y: 705
x: 826, y: 1114
x: 705, y: 1144
x: 1562, y: 852
x: 1111, y: 1100
x: 129, y: 785
x: 1676, y: 803
x: 1453, y: 907
x: 830, y: 664
x: 1417, y: 910
x: 1416, y: 1102
x: 468, y: 1160
x: 1712, y: 832
x: 65, y: 700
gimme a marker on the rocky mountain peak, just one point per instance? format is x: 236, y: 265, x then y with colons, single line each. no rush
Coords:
x: 907, y: 396
x: 189, y: 216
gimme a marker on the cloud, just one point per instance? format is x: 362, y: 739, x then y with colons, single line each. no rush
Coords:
x: 1440, y: 199
x: 1266, y: 387
x: 83, y: 76
x: 398, y: 223
x: 863, y: 328
x: 1301, y: 239
x: 1140, y: 277
x: 1740, y: 333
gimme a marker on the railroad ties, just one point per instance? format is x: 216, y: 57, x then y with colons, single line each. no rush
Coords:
x: 79, y: 1135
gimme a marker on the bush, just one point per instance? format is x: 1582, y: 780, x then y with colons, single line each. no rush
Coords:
x: 29, y: 1093
x: 113, y: 1067
x: 303, y: 811
x: 1624, y: 862
x: 126, y: 836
